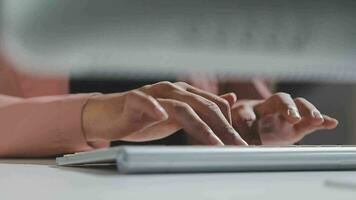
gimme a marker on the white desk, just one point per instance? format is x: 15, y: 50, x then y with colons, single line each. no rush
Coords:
x: 41, y: 179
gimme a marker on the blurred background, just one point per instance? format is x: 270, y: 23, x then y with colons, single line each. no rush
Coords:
x: 303, y: 47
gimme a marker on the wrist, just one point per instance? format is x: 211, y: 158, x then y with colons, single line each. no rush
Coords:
x: 89, y: 114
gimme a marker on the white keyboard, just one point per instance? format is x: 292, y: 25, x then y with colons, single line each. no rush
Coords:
x: 161, y: 159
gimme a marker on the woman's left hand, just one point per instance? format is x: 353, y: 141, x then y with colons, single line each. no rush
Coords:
x: 278, y: 120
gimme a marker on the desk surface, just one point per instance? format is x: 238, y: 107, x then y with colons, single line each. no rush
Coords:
x: 41, y: 179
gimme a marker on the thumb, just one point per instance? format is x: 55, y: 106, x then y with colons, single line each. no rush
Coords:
x: 143, y: 110
x: 114, y: 116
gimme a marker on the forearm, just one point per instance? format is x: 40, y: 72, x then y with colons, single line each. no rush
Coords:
x: 42, y: 126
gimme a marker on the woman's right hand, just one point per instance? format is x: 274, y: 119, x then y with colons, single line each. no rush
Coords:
x: 157, y: 111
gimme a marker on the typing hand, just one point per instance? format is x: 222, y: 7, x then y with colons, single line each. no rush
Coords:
x: 279, y: 120
x: 157, y: 111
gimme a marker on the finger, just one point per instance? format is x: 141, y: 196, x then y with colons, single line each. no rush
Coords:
x: 154, y: 132
x: 189, y: 120
x: 223, y: 104
x: 309, y: 112
x: 230, y: 97
x: 207, y: 110
x: 211, y: 114
x: 279, y: 103
x: 306, y: 126
x: 329, y: 122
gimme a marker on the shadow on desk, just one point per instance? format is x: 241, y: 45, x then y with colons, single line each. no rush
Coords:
x: 108, y: 169
x: 26, y: 161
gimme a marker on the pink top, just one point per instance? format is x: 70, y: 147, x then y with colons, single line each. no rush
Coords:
x: 38, y: 117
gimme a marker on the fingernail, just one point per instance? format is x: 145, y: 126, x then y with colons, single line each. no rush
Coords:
x: 244, y: 143
x: 293, y: 112
x: 317, y: 115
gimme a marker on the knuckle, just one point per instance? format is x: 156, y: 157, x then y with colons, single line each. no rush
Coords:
x: 182, y: 84
x: 211, y: 105
x: 166, y: 85
x: 281, y: 99
x: 136, y: 93
x: 275, y: 98
x: 300, y: 99
x: 145, y: 88
x: 133, y: 94
x: 280, y: 95
x: 180, y: 107
x: 224, y: 104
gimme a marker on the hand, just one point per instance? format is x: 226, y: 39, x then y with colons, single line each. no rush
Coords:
x: 157, y: 111
x: 279, y: 120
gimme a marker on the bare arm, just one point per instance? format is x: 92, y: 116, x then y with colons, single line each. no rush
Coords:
x: 42, y: 126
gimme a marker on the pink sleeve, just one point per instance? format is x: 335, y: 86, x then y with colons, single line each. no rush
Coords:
x: 43, y: 126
